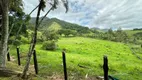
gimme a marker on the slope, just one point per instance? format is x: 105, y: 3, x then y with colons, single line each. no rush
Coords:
x: 65, y: 25
x: 88, y: 53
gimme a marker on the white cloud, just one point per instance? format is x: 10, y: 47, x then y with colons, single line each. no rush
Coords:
x: 97, y: 13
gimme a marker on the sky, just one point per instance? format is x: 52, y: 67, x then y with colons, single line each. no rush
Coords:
x: 103, y: 14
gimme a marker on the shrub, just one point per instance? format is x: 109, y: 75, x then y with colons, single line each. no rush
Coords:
x: 13, y: 41
x: 17, y: 42
x: 24, y: 40
x: 49, y: 45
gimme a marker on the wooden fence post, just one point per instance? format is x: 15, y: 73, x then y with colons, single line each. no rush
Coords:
x: 35, y: 62
x: 105, y: 67
x: 18, y: 56
x: 8, y: 55
x: 64, y: 64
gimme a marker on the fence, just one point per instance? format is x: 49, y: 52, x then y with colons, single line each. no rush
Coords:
x: 19, y: 60
x: 105, y: 63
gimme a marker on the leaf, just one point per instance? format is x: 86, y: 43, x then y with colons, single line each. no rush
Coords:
x: 43, y: 4
x: 65, y: 3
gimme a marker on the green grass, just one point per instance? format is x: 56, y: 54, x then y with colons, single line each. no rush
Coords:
x: 89, y: 53
x: 132, y: 32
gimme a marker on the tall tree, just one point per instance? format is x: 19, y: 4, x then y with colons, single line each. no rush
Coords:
x: 4, y: 4
x: 120, y: 35
x: 7, y: 7
x: 41, y: 6
x: 110, y: 34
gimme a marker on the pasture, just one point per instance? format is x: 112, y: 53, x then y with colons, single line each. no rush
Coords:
x: 85, y: 59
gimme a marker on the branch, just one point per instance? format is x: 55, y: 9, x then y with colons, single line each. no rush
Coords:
x: 0, y: 4
x: 22, y: 24
x: 45, y: 15
x: 33, y: 9
x: 10, y: 30
x: 1, y: 7
x: 65, y: 3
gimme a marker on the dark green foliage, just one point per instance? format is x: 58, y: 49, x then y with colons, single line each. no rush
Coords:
x: 12, y: 39
x: 50, y: 35
x: 18, y: 20
x: 16, y: 7
x: 65, y: 25
x: 120, y: 36
x: 135, y: 29
x: 17, y: 43
x: 138, y: 35
x: 117, y: 36
x: 94, y: 30
x: 49, y: 45
x: 109, y: 35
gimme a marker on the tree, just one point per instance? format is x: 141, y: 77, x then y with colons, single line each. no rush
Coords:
x: 110, y: 34
x: 16, y: 15
x: 120, y: 35
x: 51, y: 33
x: 33, y: 42
x: 7, y: 7
x: 110, y: 31
x: 0, y: 22
x: 67, y: 32
x: 4, y: 6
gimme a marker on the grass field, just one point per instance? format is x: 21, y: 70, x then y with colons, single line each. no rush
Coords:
x: 132, y: 32
x: 88, y: 53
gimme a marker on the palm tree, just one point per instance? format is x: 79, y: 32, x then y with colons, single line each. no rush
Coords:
x: 41, y: 6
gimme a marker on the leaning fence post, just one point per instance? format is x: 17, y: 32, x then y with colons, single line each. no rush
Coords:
x: 64, y: 64
x: 8, y: 55
x: 105, y: 67
x: 18, y: 56
x: 35, y: 62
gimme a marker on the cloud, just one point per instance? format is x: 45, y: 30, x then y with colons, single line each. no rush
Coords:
x: 97, y: 13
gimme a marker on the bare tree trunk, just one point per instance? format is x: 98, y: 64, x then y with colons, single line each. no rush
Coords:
x: 4, y: 37
x: 33, y: 43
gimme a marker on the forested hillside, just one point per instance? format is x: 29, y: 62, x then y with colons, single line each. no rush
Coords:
x: 65, y: 25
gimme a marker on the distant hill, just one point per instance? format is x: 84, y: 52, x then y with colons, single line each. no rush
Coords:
x: 64, y: 25
x: 100, y: 30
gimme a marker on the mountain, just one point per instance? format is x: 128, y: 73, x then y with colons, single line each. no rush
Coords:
x: 64, y: 25
x: 100, y: 30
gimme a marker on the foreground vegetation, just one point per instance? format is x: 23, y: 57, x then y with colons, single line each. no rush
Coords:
x: 85, y: 57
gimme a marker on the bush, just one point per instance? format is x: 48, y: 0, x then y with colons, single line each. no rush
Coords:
x: 24, y: 40
x: 17, y: 42
x: 49, y: 45
x: 13, y: 41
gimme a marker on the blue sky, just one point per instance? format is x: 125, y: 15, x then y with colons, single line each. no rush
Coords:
x: 126, y: 14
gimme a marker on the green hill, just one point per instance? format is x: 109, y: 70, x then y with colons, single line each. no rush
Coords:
x: 132, y: 32
x: 65, y: 25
